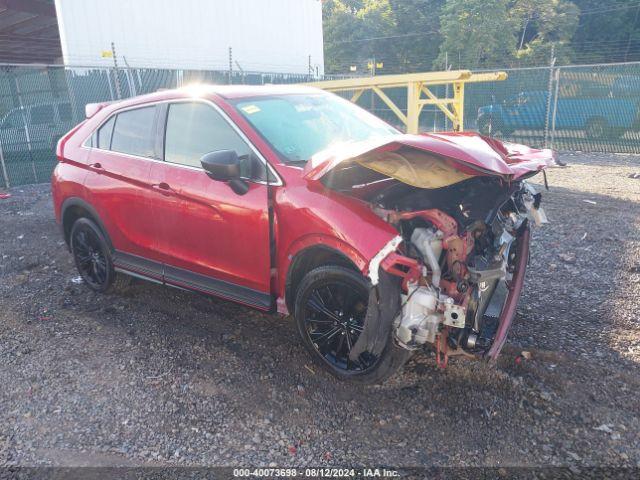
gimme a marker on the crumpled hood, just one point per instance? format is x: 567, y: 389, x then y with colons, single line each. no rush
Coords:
x: 469, y: 152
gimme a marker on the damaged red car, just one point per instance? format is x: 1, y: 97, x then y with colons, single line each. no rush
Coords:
x: 293, y: 200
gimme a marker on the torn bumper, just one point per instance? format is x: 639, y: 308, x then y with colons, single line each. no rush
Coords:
x: 515, y: 289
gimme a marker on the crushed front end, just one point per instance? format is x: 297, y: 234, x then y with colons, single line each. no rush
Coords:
x: 463, y: 211
x: 461, y: 278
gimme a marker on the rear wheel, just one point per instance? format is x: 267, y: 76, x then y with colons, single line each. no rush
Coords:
x: 93, y: 257
x: 330, y: 310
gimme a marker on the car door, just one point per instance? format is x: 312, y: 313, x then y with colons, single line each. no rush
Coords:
x: 213, y: 239
x: 118, y: 181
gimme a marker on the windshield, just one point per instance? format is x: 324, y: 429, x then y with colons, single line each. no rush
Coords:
x: 299, y: 126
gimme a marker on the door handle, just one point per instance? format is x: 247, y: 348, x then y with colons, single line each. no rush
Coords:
x: 163, y: 188
x: 97, y: 166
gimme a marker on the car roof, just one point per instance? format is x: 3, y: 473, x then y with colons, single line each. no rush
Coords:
x: 224, y: 91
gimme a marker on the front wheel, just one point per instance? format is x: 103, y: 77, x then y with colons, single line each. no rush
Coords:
x: 330, y: 310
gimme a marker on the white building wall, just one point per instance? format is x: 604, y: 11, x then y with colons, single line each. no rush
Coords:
x: 265, y: 35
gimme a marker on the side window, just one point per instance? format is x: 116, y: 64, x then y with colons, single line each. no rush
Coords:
x: 42, y: 115
x: 134, y: 132
x: 104, y: 135
x: 194, y: 129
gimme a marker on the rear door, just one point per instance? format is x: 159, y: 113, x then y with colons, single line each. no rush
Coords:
x: 124, y: 148
x: 213, y: 239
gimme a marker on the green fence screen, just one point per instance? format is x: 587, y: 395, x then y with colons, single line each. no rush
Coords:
x: 580, y: 108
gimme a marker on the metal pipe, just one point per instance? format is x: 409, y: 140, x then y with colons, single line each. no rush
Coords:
x: 433, y: 264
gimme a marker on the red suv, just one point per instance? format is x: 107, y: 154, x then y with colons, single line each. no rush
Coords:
x: 291, y: 199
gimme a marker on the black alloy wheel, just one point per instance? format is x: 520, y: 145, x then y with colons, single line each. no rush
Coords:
x: 92, y: 255
x: 334, y: 317
x: 331, y: 307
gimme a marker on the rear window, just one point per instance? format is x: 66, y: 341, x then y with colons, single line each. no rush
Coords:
x: 104, y: 134
x: 134, y: 132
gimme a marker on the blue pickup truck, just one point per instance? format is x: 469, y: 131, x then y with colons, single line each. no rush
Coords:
x: 606, y: 113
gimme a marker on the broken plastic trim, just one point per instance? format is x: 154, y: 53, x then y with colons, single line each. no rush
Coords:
x: 374, y: 264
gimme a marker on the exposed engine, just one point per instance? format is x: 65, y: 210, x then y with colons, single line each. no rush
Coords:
x: 456, y: 281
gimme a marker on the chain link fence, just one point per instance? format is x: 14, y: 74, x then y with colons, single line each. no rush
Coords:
x: 580, y: 108
x: 39, y: 104
x: 577, y: 108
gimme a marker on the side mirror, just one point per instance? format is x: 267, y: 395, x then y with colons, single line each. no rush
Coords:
x: 224, y: 165
x: 221, y: 165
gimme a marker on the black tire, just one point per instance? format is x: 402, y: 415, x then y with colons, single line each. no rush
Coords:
x: 596, y: 128
x: 347, y: 292
x: 93, y: 258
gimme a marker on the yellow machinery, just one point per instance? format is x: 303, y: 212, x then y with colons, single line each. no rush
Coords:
x: 416, y: 84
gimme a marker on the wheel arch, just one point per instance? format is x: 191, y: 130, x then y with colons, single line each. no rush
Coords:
x: 309, y: 258
x: 74, y: 208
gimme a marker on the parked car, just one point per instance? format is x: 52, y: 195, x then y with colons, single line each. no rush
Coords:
x: 289, y: 199
x: 598, y: 113
x: 37, y: 126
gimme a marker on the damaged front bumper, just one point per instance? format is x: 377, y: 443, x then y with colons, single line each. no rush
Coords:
x: 450, y: 297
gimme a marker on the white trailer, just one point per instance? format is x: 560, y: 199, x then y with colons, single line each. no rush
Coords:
x: 281, y: 36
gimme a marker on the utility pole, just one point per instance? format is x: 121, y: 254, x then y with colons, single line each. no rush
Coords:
x: 230, y: 66
x: 372, y: 62
x: 524, y: 31
x: 115, y: 71
x: 446, y: 88
x: 552, y: 63
x: 133, y: 91
x: 240, y: 69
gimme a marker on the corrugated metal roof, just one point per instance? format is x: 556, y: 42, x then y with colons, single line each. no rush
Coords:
x: 29, y: 32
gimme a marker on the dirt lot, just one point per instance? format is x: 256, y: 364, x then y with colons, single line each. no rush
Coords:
x: 164, y: 377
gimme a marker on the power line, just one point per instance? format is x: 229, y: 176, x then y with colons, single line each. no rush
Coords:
x: 388, y: 37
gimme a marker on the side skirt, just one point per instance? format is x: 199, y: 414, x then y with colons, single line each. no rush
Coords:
x: 157, y: 272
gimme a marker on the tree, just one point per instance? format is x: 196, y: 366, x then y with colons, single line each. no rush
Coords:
x: 349, y: 28
x: 476, y: 33
x: 418, y: 34
x: 608, y: 32
x: 541, y: 24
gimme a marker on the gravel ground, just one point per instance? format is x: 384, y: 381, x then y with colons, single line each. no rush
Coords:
x: 159, y: 376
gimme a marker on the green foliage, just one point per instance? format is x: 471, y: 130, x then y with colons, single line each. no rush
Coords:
x: 348, y: 24
x: 418, y: 35
x: 475, y: 33
x: 610, y: 36
x: 417, y: 52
